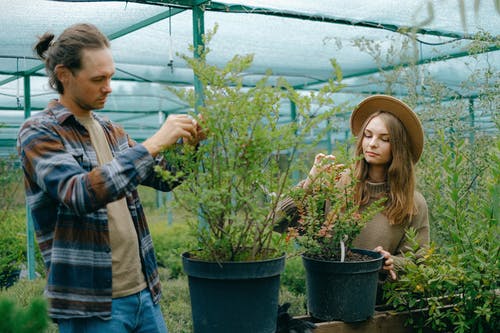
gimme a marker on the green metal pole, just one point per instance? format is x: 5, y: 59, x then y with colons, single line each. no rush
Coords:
x: 170, y: 216
x: 27, y: 97
x: 30, y: 230
x: 293, y: 116
x: 329, y: 137
x: 472, y: 120
x: 199, y: 46
x: 159, y: 194
x: 293, y: 111
x: 159, y: 199
x: 30, y: 239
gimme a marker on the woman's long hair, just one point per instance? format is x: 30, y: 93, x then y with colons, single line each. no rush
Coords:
x: 400, y: 171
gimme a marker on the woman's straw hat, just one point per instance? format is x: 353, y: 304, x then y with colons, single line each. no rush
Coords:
x: 396, y: 107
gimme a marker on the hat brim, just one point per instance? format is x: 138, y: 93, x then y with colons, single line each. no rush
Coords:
x: 400, y: 110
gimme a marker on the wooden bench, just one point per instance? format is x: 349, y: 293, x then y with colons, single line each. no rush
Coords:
x: 381, y: 322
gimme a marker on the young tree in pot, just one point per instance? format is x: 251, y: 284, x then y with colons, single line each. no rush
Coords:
x: 341, y: 281
x: 236, y: 181
x: 329, y: 218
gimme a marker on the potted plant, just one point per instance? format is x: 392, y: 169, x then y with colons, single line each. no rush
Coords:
x: 341, y: 281
x: 235, y: 179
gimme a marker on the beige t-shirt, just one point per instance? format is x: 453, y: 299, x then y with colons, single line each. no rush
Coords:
x: 128, y: 277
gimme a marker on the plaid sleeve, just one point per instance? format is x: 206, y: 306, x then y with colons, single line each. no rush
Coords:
x: 58, y: 163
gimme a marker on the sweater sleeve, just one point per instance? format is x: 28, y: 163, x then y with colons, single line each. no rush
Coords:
x: 286, y: 213
x: 420, y: 223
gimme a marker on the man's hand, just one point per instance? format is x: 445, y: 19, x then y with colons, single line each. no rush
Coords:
x: 200, y: 131
x: 174, y: 128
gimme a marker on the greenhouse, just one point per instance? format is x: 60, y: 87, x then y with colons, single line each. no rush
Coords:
x: 276, y: 82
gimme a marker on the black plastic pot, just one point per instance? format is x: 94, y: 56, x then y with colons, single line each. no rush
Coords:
x: 234, y: 296
x: 342, y: 290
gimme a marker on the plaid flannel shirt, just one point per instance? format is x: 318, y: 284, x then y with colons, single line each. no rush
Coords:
x: 67, y: 192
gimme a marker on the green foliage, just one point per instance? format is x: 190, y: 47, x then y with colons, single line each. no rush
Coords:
x: 455, y: 294
x: 23, y: 308
x: 293, y: 278
x: 238, y: 176
x: 12, y: 223
x: 175, y: 303
x: 12, y: 247
x: 12, y: 251
x: 10, y: 185
x: 23, y: 291
x: 458, y: 282
x: 297, y: 301
x: 456, y: 190
x: 169, y: 243
x: 320, y: 232
x: 23, y: 320
x: 454, y: 285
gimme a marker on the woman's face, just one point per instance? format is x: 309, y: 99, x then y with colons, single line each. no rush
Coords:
x: 376, y: 143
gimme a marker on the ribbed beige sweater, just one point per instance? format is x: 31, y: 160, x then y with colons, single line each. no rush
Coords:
x: 392, y: 238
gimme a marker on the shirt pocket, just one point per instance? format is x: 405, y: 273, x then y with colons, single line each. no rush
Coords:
x: 81, y: 158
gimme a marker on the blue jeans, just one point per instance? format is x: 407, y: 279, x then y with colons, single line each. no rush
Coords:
x: 130, y: 314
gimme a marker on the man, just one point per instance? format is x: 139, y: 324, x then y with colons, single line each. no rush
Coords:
x: 81, y: 174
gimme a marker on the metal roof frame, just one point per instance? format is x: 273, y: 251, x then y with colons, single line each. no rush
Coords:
x: 199, y: 8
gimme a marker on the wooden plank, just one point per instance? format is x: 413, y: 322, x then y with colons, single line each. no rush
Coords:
x: 381, y: 322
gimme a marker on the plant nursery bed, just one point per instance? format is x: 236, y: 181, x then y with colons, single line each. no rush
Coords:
x: 381, y: 322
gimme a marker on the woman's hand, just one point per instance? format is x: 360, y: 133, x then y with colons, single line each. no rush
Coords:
x: 388, y: 261
x: 322, y: 163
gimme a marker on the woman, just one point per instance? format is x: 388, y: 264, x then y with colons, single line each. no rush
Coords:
x: 390, y: 140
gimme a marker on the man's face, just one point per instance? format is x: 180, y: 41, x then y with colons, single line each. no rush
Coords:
x: 89, y: 87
